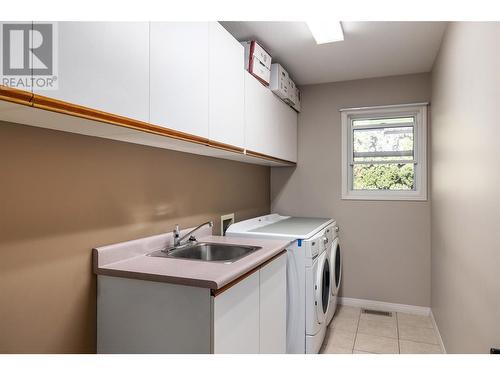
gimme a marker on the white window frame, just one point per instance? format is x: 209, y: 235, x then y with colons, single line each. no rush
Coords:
x: 419, y: 112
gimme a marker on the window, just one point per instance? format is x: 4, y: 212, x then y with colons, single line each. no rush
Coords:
x: 384, y: 152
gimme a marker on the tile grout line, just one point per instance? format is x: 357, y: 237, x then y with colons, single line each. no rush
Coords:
x: 387, y: 337
x: 413, y: 340
x: 420, y: 342
x: 324, y: 345
x: 356, y: 334
x: 398, y: 333
x: 397, y: 329
x: 382, y: 335
x: 420, y: 327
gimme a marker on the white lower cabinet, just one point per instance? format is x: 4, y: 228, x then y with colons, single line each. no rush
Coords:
x: 236, y: 318
x: 273, y: 307
x: 138, y: 316
x: 250, y: 317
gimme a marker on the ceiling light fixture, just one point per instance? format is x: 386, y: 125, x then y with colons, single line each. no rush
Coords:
x: 326, y: 31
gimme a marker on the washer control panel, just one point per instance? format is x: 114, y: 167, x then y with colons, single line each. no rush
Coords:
x: 314, y: 246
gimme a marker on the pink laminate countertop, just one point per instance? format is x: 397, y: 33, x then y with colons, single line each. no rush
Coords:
x: 129, y: 260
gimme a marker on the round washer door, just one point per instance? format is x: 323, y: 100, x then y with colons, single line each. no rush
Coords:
x: 322, y: 287
x: 335, y: 266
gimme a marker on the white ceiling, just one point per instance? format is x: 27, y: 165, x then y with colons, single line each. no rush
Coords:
x: 369, y: 49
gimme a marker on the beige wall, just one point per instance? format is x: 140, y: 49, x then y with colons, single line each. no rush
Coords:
x: 62, y: 194
x: 386, y: 244
x: 465, y: 188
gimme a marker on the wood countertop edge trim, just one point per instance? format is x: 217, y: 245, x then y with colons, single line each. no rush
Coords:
x: 58, y: 106
x: 216, y: 292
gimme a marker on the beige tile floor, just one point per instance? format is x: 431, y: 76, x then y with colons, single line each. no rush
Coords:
x: 352, y: 331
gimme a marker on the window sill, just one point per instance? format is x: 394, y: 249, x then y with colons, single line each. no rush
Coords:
x: 389, y: 196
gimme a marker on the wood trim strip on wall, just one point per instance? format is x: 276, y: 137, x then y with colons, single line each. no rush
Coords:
x: 12, y: 95
x: 226, y: 147
x: 59, y: 106
x: 216, y: 292
x: 54, y: 105
x: 270, y: 158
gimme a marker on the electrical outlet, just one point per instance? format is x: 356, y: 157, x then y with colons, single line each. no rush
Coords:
x: 225, y: 222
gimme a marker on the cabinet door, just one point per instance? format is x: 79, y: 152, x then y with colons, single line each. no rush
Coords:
x: 270, y: 124
x: 104, y: 66
x: 179, y: 76
x: 273, y: 306
x: 236, y: 318
x: 285, y: 121
x: 226, y: 87
x: 258, y: 114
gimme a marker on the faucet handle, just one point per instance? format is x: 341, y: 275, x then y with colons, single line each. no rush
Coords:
x: 176, y: 234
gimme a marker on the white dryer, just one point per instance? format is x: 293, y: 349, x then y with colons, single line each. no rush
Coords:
x: 335, y: 255
x: 308, y: 273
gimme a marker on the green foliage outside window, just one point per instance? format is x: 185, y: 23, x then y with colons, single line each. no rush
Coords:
x: 391, y: 151
x: 383, y: 177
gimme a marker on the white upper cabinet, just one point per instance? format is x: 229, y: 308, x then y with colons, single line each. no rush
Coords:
x: 184, y: 76
x: 285, y: 122
x: 270, y: 124
x: 197, y: 80
x: 258, y: 116
x: 226, y: 87
x: 104, y: 66
x: 179, y: 76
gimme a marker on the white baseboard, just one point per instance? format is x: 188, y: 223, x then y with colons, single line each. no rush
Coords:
x: 441, y: 343
x: 385, y: 306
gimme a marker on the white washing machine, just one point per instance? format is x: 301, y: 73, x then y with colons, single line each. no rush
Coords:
x: 317, y: 300
x: 335, y: 254
x: 308, y: 273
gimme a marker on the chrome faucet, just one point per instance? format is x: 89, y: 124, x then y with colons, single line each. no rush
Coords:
x: 178, y: 239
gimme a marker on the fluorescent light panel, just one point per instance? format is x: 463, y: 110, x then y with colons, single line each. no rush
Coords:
x: 326, y: 31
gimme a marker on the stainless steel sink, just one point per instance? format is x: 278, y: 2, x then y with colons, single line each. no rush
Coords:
x: 208, y: 252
